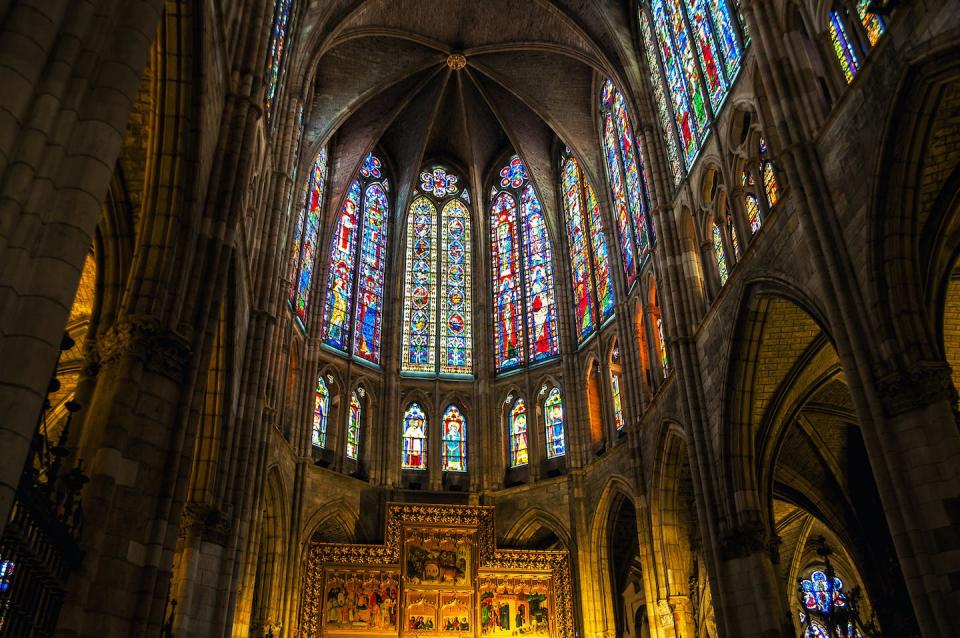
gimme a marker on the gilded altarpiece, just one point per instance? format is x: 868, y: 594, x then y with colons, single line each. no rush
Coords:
x: 437, y: 575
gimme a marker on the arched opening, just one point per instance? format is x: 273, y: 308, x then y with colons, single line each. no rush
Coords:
x: 623, y: 565
x: 594, y: 404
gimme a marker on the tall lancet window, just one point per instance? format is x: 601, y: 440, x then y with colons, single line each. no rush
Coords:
x: 524, y: 308
x: 321, y: 408
x: 303, y: 251
x: 553, y: 419
x: 414, y: 438
x: 694, y: 53
x: 354, y: 420
x: 589, y: 257
x: 275, y: 54
x: 437, y: 319
x: 628, y: 181
x: 518, y: 434
x: 454, y: 440
x: 353, y: 311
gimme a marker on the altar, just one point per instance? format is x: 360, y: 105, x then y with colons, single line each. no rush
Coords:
x: 438, y: 573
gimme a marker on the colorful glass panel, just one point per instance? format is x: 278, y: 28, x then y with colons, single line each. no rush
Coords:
x: 720, y: 254
x: 518, y: 434
x: 538, y: 268
x: 275, y: 53
x: 822, y: 594
x: 874, y: 25
x: 601, y: 255
x: 632, y: 167
x: 662, y: 345
x: 733, y: 237
x: 770, y: 184
x: 514, y: 174
x: 842, y: 46
x: 371, y: 169
x: 339, y: 297
x: 681, y: 108
x: 321, y: 409
x: 465, y: 195
x: 726, y: 36
x: 580, y: 270
x: 454, y: 440
x: 706, y: 48
x: 622, y: 216
x: 438, y: 182
x: 456, y: 330
x: 420, y: 288
x: 617, y: 402
x: 753, y: 212
x: 373, y: 248
x: 553, y: 418
x: 678, y: 61
x: 353, y: 426
x: 507, y: 307
x: 816, y: 630
x: 296, y: 245
x: 312, y: 213
x: 414, y: 438
x: 7, y: 568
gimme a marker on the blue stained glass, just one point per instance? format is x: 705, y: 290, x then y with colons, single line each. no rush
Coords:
x: 505, y: 266
x: 553, y: 419
x: 706, y: 49
x: 456, y: 328
x: 438, y: 182
x: 632, y: 170
x: 420, y: 290
x: 682, y: 75
x: 340, y: 283
x: 321, y: 408
x: 275, y: 53
x: 621, y: 214
x: 454, y: 441
x: 371, y: 168
x: 414, y: 438
x: 514, y: 174
x: 366, y: 343
x: 726, y: 35
x: 541, y: 309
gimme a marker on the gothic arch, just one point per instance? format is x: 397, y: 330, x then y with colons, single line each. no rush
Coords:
x: 527, y: 531
x: 335, y: 522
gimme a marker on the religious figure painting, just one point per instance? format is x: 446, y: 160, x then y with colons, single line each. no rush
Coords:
x: 361, y: 602
x: 438, y: 561
x: 420, y: 613
x: 456, y: 611
x: 514, y: 608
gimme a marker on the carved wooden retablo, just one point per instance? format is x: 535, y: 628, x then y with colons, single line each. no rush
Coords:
x: 438, y: 573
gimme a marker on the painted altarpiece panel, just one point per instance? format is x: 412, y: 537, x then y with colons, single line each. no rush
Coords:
x: 437, y: 574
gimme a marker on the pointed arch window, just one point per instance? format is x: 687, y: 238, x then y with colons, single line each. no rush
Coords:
x: 720, y: 253
x: 553, y: 422
x: 305, y: 236
x: 438, y: 320
x: 414, y: 438
x: 353, y: 312
x: 275, y: 54
x: 589, y: 256
x: 525, y: 312
x: 758, y: 203
x: 628, y: 181
x: 321, y: 410
x: 843, y: 47
x: 454, y: 440
x: 354, y: 421
x: 518, y: 434
x: 617, y: 400
x: 693, y: 50
x: 823, y: 604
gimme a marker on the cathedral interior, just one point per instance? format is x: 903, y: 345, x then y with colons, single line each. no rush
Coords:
x: 455, y: 318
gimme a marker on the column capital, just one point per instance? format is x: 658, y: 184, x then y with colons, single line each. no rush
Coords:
x: 916, y: 387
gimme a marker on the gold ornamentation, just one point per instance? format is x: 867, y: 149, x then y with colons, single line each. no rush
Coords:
x: 456, y: 61
x: 441, y: 584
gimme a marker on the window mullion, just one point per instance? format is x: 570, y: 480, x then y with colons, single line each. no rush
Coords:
x: 697, y: 55
x: 355, y: 266
x: 665, y: 87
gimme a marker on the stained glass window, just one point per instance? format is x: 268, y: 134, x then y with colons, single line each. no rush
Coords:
x: 414, y: 438
x: 750, y: 202
x: 617, y: 403
x: 553, y: 422
x: 454, y: 440
x: 6, y: 575
x: 720, y: 254
x: 662, y: 346
x: 357, y: 267
x: 353, y: 424
x: 518, y: 434
x: 769, y: 175
x: 672, y: 30
x: 873, y: 24
x: 305, y: 236
x: 625, y: 170
x: 589, y: 262
x: 275, y: 53
x: 321, y: 409
x: 438, y: 318
x: 733, y: 237
x: 523, y: 286
x: 843, y: 47
x: 823, y: 603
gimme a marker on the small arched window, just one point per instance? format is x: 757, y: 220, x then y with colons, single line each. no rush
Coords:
x: 617, y: 401
x: 357, y: 266
x: 518, y: 434
x: 589, y: 256
x: 628, y: 181
x: 303, y: 253
x: 454, y: 440
x: 720, y: 253
x: 523, y: 291
x: 321, y: 409
x: 553, y: 422
x: 275, y: 54
x: 354, y: 421
x: 414, y: 438
x: 438, y: 319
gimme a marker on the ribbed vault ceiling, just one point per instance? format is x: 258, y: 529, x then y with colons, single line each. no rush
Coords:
x: 382, y: 81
